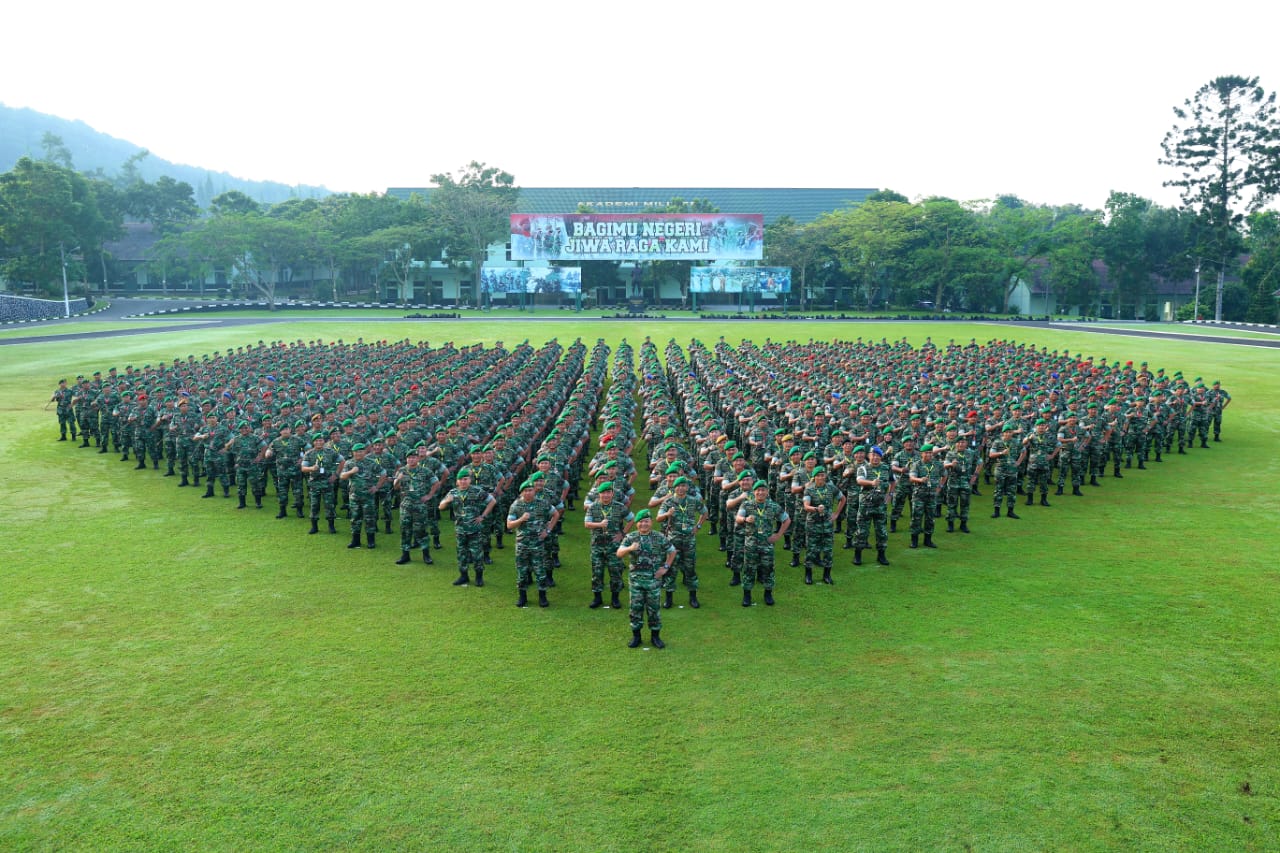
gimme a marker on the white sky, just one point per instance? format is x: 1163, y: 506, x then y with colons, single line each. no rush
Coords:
x: 1053, y: 102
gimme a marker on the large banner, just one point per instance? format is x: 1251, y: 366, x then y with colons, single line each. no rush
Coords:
x: 530, y: 279
x: 740, y: 280
x: 637, y: 236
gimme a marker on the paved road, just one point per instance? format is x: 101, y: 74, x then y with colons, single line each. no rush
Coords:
x: 1103, y: 329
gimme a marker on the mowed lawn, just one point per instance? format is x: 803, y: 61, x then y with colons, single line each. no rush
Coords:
x: 1099, y: 675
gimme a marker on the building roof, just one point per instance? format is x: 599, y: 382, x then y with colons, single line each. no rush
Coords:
x: 134, y: 244
x: 801, y: 204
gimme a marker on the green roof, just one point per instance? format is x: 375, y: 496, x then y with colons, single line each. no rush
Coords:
x: 801, y: 204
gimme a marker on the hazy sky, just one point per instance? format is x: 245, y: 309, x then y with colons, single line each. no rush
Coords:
x: 1053, y: 102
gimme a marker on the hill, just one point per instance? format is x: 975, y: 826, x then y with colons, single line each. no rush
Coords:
x: 21, y: 132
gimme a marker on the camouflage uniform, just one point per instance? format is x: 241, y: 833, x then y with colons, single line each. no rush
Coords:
x: 682, y: 529
x: 644, y: 583
x: 768, y: 518
x: 605, y: 541
x: 531, y: 552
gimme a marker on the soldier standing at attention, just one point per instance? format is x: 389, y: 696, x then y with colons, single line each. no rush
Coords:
x: 764, y: 521
x: 927, y: 478
x: 1006, y: 471
x: 62, y: 395
x: 682, y: 516
x: 363, y: 475
x: 875, y: 479
x: 651, y: 561
x: 530, y: 520
x: 823, y: 502
x: 471, y: 507
x: 609, y: 521
x: 962, y: 466
x: 320, y: 464
x: 248, y: 449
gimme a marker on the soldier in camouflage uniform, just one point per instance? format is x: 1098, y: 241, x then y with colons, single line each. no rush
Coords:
x: 962, y: 466
x: 1004, y: 465
x: 530, y: 519
x: 1042, y: 449
x: 608, y: 520
x: 1073, y: 455
x: 417, y: 485
x: 210, y: 440
x: 901, y: 464
x: 66, y: 413
x: 763, y: 521
x: 248, y: 449
x: 651, y: 558
x: 363, y: 476
x: 285, y: 452
x: 875, y: 482
x: 927, y: 478
x: 1219, y: 399
x: 471, y: 508
x: 682, y: 515
x: 320, y: 465
x: 822, y: 503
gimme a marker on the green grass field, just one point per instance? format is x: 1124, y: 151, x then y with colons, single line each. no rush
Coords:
x: 175, y: 674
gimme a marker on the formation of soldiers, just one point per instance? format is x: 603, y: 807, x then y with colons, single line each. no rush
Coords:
x: 759, y: 444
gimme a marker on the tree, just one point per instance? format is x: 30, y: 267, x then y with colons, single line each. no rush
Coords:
x: 1261, y: 276
x: 657, y: 272
x: 1226, y: 146
x: 948, y: 247
x: 257, y: 251
x: 47, y: 214
x: 1022, y: 234
x: 800, y: 247
x: 869, y: 241
x: 473, y: 210
x: 55, y: 150
x: 233, y: 201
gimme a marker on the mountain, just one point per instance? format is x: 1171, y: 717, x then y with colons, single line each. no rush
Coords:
x: 21, y: 132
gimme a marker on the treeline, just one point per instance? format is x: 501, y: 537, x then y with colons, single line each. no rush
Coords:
x: 54, y: 218
x: 972, y: 256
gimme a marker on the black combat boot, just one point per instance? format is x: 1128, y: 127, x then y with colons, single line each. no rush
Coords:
x: 479, y: 577
x: 964, y: 526
x: 463, y: 578
x: 282, y: 513
x: 551, y: 577
x: 996, y: 514
x: 332, y: 528
x: 435, y: 541
x: 522, y: 599
x: 655, y: 639
x: 226, y: 491
x: 1093, y: 481
x: 848, y: 543
x: 1075, y: 490
x: 669, y: 601
x: 951, y: 525
x: 693, y: 599
x: 613, y: 600
x: 404, y: 559
x: 857, y: 557
x: 881, y: 558
x: 169, y: 473
x: 241, y: 505
x: 355, y: 540
x: 542, y: 598
x: 736, y: 580
x: 388, y: 526
x: 487, y: 560
x: 1031, y: 498
x: 1044, y: 500
x: 826, y: 577
x: 1142, y: 465
x: 975, y: 491
x: 808, y: 575
x: 635, y: 639
x: 1012, y: 514
x: 185, y: 482
x: 208, y: 493
x: 915, y: 540
x: 596, y: 601
x: 257, y: 501
x: 768, y: 597
x: 1059, y: 490
x: 746, y: 598
x: 795, y: 559
x: 786, y: 541
x: 371, y: 539
x: 315, y: 526
x: 928, y: 541
x: 426, y: 557
x: 299, y: 509
x: 498, y: 541
x: 141, y: 466
x: 893, y: 525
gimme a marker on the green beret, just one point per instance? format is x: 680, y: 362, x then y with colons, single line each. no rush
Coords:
x: 861, y: 448
x: 606, y: 486
x: 537, y: 475
x: 1008, y: 428
x: 348, y: 422
x: 926, y: 448
x: 359, y: 445
x: 527, y: 484
x: 759, y: 484
x: 1040, y: 421
x: 673, y: 468
x: 643, y: 514
x: 795, y: 450
x: 818, y: 469
x: 811, y: 455
x: 680, y: 480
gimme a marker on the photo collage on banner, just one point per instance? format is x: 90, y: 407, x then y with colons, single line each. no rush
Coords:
x: 541, y: 279
x: 637, y: 236
x: 724, y: 279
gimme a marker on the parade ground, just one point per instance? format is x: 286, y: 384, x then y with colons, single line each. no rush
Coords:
x: 1099, y: 674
